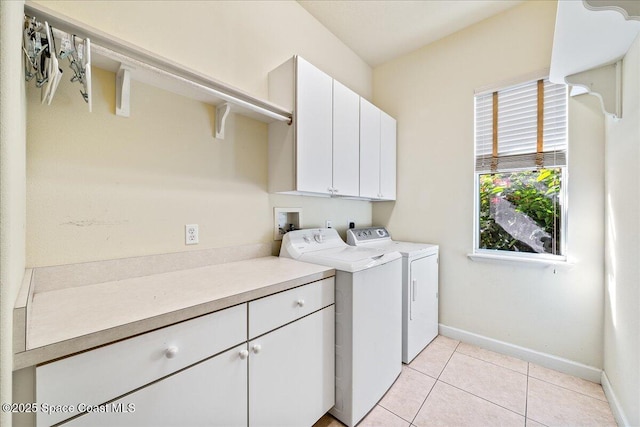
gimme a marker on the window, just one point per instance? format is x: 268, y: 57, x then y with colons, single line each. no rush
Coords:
x: 520, y: 171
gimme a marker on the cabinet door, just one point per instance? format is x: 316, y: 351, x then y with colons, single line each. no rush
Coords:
x: 423, y: 304
x: 211, y: 393
x: 314, y: 104
x: 346, y: 141
x: 292, y: 380
x: 369, y: 150
x: 387, y: 157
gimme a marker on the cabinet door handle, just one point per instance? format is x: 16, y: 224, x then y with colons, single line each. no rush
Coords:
x: 300, y: 303
x: 330, y: 190
x: 171, y: 352
x: 414, y: 284
x: 335, y: 190
x: 244, y: 354
x: 256, y: 348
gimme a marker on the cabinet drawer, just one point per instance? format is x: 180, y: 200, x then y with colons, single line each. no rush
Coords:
x: 212, y: 393
x: 99, y: 375
x: 276, y: 310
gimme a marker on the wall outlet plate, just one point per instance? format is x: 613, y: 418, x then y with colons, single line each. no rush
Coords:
x: 191, y: 234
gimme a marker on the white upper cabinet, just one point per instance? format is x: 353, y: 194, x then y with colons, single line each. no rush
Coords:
x: 369, y: 150
x: 346, y: 141
x: 387, y: 157
x: 335, y: 144
x: 313, y: 121
x: 377, y: 153
x: 300, y: 154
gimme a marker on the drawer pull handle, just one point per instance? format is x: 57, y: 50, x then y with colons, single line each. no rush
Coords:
x: 300, y: 303
x: 171, y: 352
x: 256, y: 348
x: 244, y: 354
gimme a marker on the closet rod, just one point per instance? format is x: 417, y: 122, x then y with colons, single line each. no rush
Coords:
x: 118, y: 49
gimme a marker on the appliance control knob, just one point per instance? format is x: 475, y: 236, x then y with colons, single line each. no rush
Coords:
x: 306, y: 239
x: 256, y: 348
x: 380, y: 232
x: 171, y: 352
x: 319, y: 238
x: 243, y: 354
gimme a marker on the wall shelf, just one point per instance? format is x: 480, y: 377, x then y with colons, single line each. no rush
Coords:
x: 589, y: 37
x: 131, y: 62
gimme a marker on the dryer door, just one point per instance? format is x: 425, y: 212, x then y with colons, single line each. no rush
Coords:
x: 422, y: 325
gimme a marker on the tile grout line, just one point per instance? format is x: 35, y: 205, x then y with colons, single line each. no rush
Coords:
x: 495, y: 364
x: 570, y: 389
x: 487, y: 400
x: 397, y: 415
x: 482, y: 398
x: 419, y: 371
x: 528, y: 375
x: 532, y: 376
x: 391, y: 412
x: 436, y: 382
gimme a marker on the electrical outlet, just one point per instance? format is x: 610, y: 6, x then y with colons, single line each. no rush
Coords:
x: 191, y: 234
x: 328, y: 223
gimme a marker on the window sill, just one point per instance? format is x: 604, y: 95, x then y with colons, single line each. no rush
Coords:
x: 517, y: 260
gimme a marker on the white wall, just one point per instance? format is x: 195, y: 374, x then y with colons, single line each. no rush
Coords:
x: 12, y: 186
x: 622, y: 296
x: 101, y: 186
x: 430, y: 92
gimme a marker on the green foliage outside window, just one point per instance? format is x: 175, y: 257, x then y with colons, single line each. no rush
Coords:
x: 534, y: 194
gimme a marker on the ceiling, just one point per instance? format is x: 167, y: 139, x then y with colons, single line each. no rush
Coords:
x: 381, y: 30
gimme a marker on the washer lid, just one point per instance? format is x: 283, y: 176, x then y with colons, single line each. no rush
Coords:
x: 350, y: 259
x: 325, y: 247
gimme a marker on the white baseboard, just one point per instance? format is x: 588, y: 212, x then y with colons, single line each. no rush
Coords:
x: 614, y: 403
x: 543, y: 359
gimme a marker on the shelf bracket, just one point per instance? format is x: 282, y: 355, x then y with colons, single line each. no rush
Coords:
x: 604, y: 82
x: 629, y: 9
x: 222, y: 112
x: 123, y: 91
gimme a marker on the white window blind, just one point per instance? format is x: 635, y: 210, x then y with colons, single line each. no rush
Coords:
x: 516, y: 143
x: 484, y: 125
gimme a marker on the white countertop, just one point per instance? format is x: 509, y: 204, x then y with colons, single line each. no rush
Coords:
x: 63, y: 321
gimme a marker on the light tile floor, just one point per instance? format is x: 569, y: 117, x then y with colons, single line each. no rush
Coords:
x: 456, y: 384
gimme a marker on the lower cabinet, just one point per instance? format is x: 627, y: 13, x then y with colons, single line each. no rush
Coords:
x: 211, y: 393
x: 291, y: 380
x: 268, y: 362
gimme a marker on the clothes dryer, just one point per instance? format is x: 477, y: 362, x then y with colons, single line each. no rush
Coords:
x: 419, y: 285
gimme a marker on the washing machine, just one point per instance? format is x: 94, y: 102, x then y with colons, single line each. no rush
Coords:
x: 368, y: 316
x: 419, y: 285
